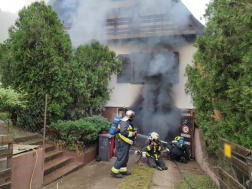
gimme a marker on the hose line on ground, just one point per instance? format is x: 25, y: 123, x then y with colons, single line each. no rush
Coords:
x: 35, y: 161
x: 182, y: 175
x: 140, y: 153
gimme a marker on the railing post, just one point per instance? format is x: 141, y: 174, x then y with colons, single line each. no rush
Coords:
x: 44, y: 131
x: 249, y: 163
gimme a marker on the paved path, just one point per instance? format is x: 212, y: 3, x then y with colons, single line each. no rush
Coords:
x: 95, y: 175
x: 168, y: 178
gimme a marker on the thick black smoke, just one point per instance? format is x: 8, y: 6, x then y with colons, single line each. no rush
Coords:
x: 156, y: 110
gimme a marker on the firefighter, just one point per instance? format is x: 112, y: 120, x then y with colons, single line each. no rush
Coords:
x: 177, y: 151
x: 124, y: 139
x: 153, y: 153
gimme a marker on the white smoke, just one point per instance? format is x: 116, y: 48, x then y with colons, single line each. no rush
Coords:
x: 89, y: 21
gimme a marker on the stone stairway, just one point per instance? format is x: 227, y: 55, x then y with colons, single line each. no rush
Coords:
x: 56, y: 165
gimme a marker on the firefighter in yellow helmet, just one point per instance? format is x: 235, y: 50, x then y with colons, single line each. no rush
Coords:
x: 177, y: 151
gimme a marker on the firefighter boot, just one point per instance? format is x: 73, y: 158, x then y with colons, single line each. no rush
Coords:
x: 183, y: 160
x: 116, y: 175
x: 159, y: 168
x: 164, y: 168
x: 126, y: 173
x: 169, y: 157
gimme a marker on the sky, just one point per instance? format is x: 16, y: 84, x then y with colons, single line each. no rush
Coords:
x: 9, y: 11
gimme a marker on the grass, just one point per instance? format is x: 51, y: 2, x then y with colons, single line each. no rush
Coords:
x: 140, y: 178
x: 198, y: 181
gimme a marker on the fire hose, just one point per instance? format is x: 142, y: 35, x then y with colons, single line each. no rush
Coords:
x: 138, y: 152
x: 182, y: 175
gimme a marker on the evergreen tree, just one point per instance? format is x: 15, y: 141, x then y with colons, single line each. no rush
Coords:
x: 93, y: 66
x: 36, y: 57
x: 220, y: 80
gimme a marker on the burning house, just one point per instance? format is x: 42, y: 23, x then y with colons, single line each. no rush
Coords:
x: 154, y: 39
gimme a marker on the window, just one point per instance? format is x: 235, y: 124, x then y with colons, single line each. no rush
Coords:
x: 141, y: 67
x: 125, y: 74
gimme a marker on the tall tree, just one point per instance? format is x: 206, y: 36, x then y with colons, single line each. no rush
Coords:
x: 92, y: 67
x: 220, y: 80
x: 36, y: 57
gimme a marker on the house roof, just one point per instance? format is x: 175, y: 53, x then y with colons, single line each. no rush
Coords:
x: 115, y: 32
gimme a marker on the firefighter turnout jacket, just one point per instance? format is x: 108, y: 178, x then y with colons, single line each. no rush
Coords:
x: 153, y: 151
x: 126, y: 131
x: 172, y: 148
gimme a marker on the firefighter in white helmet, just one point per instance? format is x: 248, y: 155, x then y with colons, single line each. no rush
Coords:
x: 123, y: 142
x: 154, y: 148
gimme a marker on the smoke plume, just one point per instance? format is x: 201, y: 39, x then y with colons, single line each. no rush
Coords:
x: 158, y: 71
x: 156, y: 109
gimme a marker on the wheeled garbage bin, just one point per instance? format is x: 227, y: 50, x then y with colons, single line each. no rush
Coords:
x: 104, y: 146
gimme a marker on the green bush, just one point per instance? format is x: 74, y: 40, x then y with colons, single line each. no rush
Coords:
x: 30, y: 117
x: 92, y: 68
x: 4, y: 116
x: 76, y: 134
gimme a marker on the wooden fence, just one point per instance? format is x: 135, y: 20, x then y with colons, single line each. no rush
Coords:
x: 236, y: 166
x: 5, y: 175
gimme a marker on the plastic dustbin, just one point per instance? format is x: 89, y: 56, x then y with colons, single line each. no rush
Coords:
x: 104, y: 146
x: 112, y: 145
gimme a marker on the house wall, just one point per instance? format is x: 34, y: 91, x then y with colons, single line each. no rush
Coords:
x: 125, y: 94
x: 201, y: 156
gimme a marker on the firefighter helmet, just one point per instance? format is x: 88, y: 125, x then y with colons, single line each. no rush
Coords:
x: 177, y: 138
x: 154, y: 137
x: 129, y: 115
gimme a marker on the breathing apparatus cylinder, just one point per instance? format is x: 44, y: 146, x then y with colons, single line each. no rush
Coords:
x: 181, y: 141
x: 113, y: 128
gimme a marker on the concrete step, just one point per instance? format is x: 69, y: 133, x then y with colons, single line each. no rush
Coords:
x: 49, y: 147
x: 62, y: 172
x: 52, y: 155
x: 32, y: 142
x: 23, y: 139
x: 56, y: 164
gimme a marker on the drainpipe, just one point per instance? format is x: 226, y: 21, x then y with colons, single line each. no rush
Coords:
x: 124, y: 112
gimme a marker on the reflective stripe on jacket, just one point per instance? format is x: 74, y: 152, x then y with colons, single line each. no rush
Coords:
x: 126, y: 131
x: 152, y: 151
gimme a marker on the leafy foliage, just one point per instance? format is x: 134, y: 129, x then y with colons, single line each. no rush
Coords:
x: 10, y: 98
x: 220, y: 79
x: 37, y: 56
x: 4, y: 116
x: 93, y: 66
x: 81, y: 132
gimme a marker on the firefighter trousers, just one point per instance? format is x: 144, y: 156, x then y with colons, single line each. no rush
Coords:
x: 156, y: 163
x: 122, y: 152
